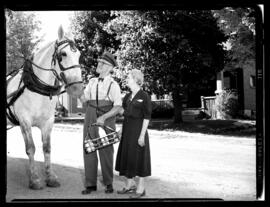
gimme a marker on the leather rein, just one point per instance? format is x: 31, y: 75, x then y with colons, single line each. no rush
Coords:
x: 57, y: 56
x: 35, y: 84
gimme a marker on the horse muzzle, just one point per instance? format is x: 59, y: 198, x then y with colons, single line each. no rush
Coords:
x: 75, y: 89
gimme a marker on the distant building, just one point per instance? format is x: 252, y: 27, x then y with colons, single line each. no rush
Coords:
x: 243, y: 80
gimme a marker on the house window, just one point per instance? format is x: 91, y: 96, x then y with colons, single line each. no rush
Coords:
x: 252, y: 81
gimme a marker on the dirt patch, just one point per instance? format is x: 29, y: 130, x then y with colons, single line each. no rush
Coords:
x: 184, y: 166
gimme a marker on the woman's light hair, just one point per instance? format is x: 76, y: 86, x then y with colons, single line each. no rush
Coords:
x: 137, y: 75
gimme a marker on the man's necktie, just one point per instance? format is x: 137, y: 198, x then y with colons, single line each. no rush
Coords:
x: 100, y: 79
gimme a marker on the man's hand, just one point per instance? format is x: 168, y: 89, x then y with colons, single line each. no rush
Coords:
x: 82, y: 98
x: 100, y: 120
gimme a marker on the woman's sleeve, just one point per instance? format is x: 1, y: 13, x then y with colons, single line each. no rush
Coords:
x: 147, y: 107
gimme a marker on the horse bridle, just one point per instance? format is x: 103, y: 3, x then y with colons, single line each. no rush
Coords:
x: 58, y: 56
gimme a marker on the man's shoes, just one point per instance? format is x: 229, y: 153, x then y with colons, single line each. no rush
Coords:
x: 109, y: 189
x: 88, y: 190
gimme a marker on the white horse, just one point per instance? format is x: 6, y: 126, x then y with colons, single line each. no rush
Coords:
x: 55, y: 63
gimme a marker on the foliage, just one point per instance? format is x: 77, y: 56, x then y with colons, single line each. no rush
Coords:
x: 239, y: 25
x: 176, y: 49
x: 91, y: 38
x: 20, y: 37
x: 171, y: 47
x: 202, y: 115
x: 226, y: 104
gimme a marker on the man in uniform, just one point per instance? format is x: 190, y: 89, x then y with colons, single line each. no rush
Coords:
x: 103, y: 98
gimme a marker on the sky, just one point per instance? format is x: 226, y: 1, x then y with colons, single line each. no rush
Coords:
x: 50, y: 21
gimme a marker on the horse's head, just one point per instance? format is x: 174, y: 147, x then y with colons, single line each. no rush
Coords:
x: 67, y: 56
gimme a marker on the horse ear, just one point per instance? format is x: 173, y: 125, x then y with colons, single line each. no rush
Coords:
x: 60, y: 32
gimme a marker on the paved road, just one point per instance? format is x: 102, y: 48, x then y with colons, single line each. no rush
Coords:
x: 184, y: 165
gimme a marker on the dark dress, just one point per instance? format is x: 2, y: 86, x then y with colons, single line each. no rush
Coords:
x: 132, y: 159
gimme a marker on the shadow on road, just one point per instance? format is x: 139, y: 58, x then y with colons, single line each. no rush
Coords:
x: 215, y: 127
x: 71, y: 180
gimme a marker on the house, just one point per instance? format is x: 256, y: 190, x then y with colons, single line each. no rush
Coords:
x: 243, y: 80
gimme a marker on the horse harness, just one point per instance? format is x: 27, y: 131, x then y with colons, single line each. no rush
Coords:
x: 35, y: 84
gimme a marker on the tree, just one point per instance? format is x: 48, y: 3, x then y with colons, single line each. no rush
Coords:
x: 176, y: 50
x: 91, y: 38
x: 239, y: 25
x: 20, y: 37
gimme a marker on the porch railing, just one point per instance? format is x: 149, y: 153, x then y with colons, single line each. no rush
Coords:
x: 207, y: 105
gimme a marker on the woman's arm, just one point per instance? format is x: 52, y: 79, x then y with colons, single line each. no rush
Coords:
x: 143, y: 131
x: 121, y: 111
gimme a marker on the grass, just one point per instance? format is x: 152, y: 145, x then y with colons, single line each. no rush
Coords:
x: 215, y: 127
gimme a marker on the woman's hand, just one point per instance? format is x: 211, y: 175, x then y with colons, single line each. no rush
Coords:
x: 141, y: 141
x: 82, y: 98
x: 121, y: 111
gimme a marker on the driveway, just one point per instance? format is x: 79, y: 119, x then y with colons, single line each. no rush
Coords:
x: 184, y: 166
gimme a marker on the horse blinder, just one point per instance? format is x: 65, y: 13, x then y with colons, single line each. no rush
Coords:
x: 62, y: 68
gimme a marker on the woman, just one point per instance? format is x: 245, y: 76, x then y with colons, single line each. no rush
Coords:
x: 133, y: 156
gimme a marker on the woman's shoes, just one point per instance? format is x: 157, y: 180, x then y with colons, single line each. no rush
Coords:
x: 138, y: 195
x: 132, y: 189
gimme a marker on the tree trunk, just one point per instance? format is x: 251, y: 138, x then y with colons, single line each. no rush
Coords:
x: 177, y: 102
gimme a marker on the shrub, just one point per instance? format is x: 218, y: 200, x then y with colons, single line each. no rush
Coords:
x: 226, y: 104
x: 162, y: 110
x: 202, y: 115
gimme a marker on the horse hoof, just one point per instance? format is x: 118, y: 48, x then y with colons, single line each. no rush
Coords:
x: 35, y: 185
x: 52, y: 183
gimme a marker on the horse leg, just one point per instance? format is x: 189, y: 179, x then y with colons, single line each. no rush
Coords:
x: 34, y: 179
x: 51, y: 178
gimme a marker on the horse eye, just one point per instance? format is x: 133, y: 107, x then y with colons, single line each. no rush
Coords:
x: 64, y: 54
